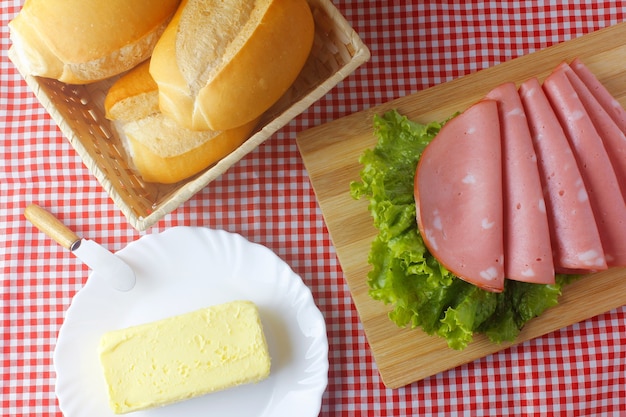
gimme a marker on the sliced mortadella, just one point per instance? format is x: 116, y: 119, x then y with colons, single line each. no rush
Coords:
x: 575, y: 239
x: 612, y: 136
x: 604, y: 97
x: 458, y: 195
x: 527, y: 248
x: 595, y: 166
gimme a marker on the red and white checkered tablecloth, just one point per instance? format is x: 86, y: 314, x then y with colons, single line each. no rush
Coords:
x: 267, y: 197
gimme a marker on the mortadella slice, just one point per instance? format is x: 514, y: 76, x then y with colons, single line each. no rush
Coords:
x: 595, y: 167
x: 612, y: 136
x: 458, y: 195
x: 604, y: 97
x: 527, y: 248
x: 575, y: 239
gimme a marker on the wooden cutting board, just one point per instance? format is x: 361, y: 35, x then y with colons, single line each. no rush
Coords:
x: 331, y: 152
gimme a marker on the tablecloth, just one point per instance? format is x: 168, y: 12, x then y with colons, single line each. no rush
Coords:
x: 267, y: 197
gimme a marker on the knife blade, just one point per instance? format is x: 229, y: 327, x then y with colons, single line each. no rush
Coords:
x: 102, y: 262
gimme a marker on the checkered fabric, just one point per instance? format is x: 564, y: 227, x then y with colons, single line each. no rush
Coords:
x: 267, y: 197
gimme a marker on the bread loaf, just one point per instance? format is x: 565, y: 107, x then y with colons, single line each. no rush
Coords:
x: 159, y: 148
x: 82, y: 41
x: 220, y: 64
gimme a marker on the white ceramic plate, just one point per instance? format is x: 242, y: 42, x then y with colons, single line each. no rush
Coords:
x: 180, y: 270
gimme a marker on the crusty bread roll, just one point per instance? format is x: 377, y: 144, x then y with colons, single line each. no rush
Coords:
x: 133, y: 96
x: 159, y: 148
x: 164, y: 152
x: 82, y: 41
x: 220, y: 64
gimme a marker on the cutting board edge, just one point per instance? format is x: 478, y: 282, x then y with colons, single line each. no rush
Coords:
x: 552, y: 320
x: 556, y: 53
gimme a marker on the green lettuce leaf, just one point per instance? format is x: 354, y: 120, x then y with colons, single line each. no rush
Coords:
x: 405, y: 275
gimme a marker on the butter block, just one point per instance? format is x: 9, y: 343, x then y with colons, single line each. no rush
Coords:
x: 184, y: 356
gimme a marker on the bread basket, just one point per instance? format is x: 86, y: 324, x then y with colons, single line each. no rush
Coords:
x: 78, y: 110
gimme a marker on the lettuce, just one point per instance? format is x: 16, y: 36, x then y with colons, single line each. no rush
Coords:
x: 405, y: 275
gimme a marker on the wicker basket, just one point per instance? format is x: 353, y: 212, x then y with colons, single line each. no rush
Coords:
x: 79, y: 113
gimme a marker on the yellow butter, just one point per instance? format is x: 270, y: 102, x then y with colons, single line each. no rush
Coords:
x: 185, y: 356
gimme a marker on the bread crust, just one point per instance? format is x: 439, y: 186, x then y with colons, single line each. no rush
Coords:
x: 132, y: 96
x: 158, y: 147
x: 161, y: 157
x: 242, y: 88
x: 82, y: 41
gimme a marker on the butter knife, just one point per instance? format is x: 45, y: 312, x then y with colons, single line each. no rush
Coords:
x: 99, y: 259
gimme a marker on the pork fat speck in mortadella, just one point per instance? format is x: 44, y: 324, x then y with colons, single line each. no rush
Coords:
x: 459, y: 176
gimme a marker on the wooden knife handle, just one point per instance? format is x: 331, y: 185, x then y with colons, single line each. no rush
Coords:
x: 51, y: 226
